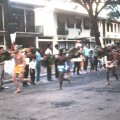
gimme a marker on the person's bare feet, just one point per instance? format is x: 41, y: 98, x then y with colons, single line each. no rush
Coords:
x: 108, y: 83
x: 69, y: 81
x: 17, y: 91
x: 59, y: 89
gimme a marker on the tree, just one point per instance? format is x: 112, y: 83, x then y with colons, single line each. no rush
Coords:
x: 114, y: 12
x: 93, y: 8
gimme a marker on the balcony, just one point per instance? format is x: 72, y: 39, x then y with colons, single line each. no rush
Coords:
x: 112, y: 35
x: 73, y: 33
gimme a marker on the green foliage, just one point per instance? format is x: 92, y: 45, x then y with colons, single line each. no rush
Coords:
x: 114, y: 13
x: 48, y: 60
x: 5, y: 56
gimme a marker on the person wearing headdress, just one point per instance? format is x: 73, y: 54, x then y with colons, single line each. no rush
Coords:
x: 61, y: 59
x: 111, y: 63
x: 19, y: 67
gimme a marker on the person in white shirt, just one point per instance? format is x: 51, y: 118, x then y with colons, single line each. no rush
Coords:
x: 56, y: 54
x: 32, y: 65
x: 86, y: 54
x: 49, y: 68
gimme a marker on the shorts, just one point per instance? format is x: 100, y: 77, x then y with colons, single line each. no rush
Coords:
x: 19, y: 68
x: 61, y: 68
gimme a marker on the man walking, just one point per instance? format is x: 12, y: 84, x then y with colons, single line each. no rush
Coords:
x: 49, y: 67
x: 38, y: 64
x: 56, y: 54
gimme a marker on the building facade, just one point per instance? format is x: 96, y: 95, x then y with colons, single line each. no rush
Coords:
x: 59, y: 24
x: 56, y: 22
x: 17, y: 18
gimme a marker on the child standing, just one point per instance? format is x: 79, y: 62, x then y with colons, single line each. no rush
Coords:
x: 32, y: 70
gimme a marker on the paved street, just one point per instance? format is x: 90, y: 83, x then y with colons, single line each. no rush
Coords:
x: 86, y: 98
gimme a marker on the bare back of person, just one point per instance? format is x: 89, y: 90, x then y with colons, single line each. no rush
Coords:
x: 61, y: 59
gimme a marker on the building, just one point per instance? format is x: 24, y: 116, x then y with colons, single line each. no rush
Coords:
x: 55, y: 22
x: 17, y: 18
x: 66, y: 23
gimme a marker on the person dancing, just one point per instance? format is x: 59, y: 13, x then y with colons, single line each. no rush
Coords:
x: 111, y: 63
x: 61, y: 67
x: 18, y: 71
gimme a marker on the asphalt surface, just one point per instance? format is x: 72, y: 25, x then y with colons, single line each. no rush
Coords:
x: 86, y: 98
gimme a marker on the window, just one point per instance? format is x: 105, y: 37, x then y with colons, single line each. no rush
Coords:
x: 104, y: 42
x: 70, y: 21
x: 109, y: 41
x: 16, y: 15
x: 87, y: 23
x: 107, y: 27
x: 61, y: 21
x: 78, y: 23
x: 114, y: 27
x: 119, y: 28
x: 1, y: 40
x: 30, y: 21
x: 103, y: 28
x: 111, y: 27
x: 1, y: 24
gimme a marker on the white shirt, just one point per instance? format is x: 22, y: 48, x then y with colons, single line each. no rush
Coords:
x: 56, y: 52
x: 32, y: 65
x: 48, y: 51
x: 27, y: 60
x: 78, y: 45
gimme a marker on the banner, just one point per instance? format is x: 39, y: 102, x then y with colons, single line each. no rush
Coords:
x: 13, y: 37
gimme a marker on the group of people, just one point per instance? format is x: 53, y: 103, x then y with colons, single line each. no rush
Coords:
x: 107, y: 57
x: 87, y: 57
x: 63, y: 64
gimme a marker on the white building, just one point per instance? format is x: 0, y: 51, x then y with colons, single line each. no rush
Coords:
x: 66, y: 23
x: 56, y: 22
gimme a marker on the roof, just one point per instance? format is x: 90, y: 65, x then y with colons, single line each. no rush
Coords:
x: 25, y: 5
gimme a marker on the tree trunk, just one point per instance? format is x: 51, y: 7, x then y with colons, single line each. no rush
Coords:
x: 95, y: 28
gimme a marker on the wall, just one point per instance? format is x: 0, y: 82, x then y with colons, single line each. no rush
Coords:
x: 45, y: 18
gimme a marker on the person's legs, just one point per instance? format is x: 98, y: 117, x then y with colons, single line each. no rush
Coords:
x: 91, y: 67
x: 86, y: 63
x: 107, y: 75
x: 16, y: 84
x: 1, y: 76
x: 75, y: 65
x: 32, y: 75
x: 37, y: 73
x: 114, y: 73
x: 56, y: 70
x: 82, y: 67
x: 26, y: 75
x: 78, y: 67
x: 61, y: 74
x: 48, y: 73
x: 96, y: 63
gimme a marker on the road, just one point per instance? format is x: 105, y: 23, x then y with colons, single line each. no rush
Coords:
x: 86, y: 98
